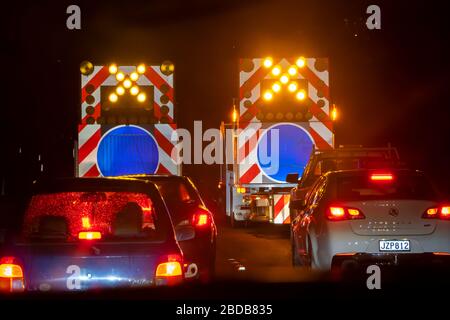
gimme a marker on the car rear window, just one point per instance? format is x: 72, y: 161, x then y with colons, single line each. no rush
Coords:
x: 177, y: 191
x: 116, y: 215
x: 361, y: 187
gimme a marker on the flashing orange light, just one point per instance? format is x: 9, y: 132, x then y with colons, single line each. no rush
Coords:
x: 241, y: 190
x: 120, y: 76
x: 134, y: 90
x: 268, y: 95
x: 292, y: 70
x: 134, y: 76
x: 141, y: 97
x: 89, y: 235
x: 292, y: 87
x: 127, y: 83
x: 86, y: 222
x: 169, y: 269
x: 276, y: 71
x: 301, y: 95
x: 113, y: 97
x: 381, y: 177
x: 234, y: 115
x: 268, y: 62
x: 284, y: 79
x: 10, y: 271
x: 120, y: 90
x: 113, y: 69
x: 300, y: 62
x: 276, y: 87
x: 334, y: 114
x: 141, y: 68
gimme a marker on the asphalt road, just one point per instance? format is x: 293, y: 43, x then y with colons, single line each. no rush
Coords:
x: 258, y: 252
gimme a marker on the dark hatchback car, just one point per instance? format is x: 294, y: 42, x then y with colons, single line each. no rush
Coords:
x: 193, y: 222
x: 90, y: 233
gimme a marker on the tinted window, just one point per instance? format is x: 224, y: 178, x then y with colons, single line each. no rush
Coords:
x: 177, y: 192
x: 360, y: 187
x: 117, y: 215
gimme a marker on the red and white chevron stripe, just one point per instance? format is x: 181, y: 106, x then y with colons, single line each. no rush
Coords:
x: 152, y: 77
x: 249, y: 96
x: 281, y: 209
x: 89, y: 137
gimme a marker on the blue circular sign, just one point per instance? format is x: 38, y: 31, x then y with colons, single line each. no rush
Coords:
x: 282, y: 149
x: 127, y: 150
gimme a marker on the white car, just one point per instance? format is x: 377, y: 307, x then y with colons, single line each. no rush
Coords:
x: 364, y: 217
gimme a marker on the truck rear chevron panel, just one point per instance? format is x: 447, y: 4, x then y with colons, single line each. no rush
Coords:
x: 319, y: 127
x: 90, y: 137
x: 163, y: 85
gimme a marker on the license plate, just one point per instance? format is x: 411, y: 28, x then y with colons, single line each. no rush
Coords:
x: 394, y: 245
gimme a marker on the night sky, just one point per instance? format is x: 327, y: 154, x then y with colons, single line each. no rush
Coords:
x: 391, y: 85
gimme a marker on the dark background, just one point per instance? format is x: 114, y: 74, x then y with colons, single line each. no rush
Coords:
x: 391, y: 84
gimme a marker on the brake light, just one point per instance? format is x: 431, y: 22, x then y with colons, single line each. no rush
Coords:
x: 201, y: 218
x: 11, y: 275
x: 335, y: 213
x: 381, y: 177
x: 445, y: 212
x: 89, y: 235
x: 437, y: 213
x: 170, y: 271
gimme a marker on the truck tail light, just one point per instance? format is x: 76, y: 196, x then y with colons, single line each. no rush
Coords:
x: 169, y: 271
x: 11, y: 275
x: 89, y: 235
x: 442, y: 213
x: 338, y: 213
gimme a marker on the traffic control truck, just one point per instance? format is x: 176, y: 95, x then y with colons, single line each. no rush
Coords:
x: 284, y: 112
x: 127, y: 120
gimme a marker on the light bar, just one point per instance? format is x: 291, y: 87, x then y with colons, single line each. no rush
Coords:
x: 381, y: 177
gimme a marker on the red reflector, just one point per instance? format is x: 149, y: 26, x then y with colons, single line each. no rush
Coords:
x: 445, y: 212
x: 381, y: 177
x: 89, y: 235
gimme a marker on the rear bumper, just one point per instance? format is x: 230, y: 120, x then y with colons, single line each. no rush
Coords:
x: 363, y: 260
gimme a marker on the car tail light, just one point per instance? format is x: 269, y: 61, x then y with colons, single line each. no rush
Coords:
x: 442, y: 212
x: 201, y: 218
x: 89, y: 235
x: 11, y: 275
x: 169, y: 271
x: 337, y: 213
x: 382, y: 177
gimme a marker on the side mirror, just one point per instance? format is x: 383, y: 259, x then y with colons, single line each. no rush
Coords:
x: 292, y: 178
x: 183, y: 233
x: 297, y: 204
